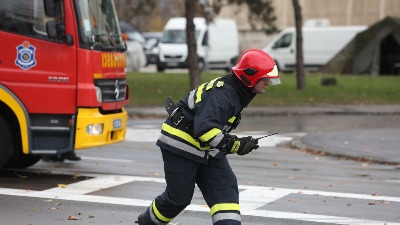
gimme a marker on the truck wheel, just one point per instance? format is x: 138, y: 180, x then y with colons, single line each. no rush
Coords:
x: 23, y: 161
x: 6, y: 142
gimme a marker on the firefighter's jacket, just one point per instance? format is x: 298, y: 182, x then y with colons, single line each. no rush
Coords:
x: 211, y: 110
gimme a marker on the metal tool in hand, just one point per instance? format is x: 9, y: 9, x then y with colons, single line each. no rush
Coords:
x: 265, y: 136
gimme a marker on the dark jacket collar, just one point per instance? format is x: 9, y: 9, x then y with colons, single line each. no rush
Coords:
x: 245, y: 93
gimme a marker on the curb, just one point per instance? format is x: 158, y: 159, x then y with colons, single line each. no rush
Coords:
x: 286, y: 110
x: 298, y: 145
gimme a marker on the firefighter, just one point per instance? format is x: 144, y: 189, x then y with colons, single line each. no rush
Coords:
x: 195, y: 140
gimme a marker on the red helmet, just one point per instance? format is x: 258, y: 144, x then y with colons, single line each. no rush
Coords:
x: 255, y: 64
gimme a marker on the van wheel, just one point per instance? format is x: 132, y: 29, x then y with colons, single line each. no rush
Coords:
x: 6, y: 142
x: 160, y: 68
x: 231, y: 64
x: 201, y: 65
x: 277, y: 65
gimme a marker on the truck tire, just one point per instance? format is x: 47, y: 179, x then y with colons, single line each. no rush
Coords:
x: 23, y: 161
x: 6, y: 142
x: 17, y: 159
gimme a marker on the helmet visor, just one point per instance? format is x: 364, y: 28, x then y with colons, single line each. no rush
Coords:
x: 274, y: 81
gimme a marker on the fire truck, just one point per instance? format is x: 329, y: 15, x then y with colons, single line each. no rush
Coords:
x: 62, y: 78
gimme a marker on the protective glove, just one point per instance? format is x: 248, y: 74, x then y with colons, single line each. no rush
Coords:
x: 250, y: 145
x: 240, y: 146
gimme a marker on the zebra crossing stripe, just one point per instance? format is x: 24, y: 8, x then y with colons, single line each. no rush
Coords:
x: 252, y: 198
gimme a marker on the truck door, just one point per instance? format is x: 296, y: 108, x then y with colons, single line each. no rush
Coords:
x: 40, y: 71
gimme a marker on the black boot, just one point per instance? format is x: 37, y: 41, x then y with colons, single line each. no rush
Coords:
x: 143, y: 221
x: 61, y: 158
x: 56, y: 158
x: 72, y: 156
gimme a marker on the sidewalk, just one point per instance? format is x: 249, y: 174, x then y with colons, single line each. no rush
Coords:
x: 286, y: 110
x: 374, y: 145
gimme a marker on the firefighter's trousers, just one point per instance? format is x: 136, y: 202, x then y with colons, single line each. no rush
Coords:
x: 216, y: 181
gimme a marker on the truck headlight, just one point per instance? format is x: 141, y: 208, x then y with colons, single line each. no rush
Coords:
x: 98, y: 94
x: 94, y: 129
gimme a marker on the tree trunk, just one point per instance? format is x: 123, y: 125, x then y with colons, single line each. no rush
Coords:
x: 301, y: 81
x: 193, y: 59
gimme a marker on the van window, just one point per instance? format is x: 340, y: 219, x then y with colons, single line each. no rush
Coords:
x: 284, y: 41
x: 176, y: 36
x: 24, y: 17
x: 205, y: 39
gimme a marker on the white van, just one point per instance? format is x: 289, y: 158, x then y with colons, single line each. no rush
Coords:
x: 320, y: 44
x: 217, y: 44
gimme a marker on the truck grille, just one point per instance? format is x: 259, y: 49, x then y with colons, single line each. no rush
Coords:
x: 112, y: 90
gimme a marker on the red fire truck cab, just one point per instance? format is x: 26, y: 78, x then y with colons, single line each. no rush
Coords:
x: 62, y: 78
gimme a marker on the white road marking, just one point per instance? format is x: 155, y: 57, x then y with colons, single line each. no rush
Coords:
x: 142, y: 135
x: 105, y: 159
x: 252, y: 198
x: 139, y: 134
x: 393, y: 181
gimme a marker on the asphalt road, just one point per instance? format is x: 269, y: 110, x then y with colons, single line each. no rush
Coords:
x: 278, y: 184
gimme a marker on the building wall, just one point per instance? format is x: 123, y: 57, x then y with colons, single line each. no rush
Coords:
x: 339, y: 13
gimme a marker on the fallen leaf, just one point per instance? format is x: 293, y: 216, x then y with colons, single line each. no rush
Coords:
x: 73, y: 218
x: 154, y: 174
x: 76, y: 176
x: 20, y: 176
x: 62, y: 185
x: 371, y: 203
x: 90, y: 216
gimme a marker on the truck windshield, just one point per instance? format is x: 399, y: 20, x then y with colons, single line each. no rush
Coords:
x: 176, y: 36
x: 99, y: 27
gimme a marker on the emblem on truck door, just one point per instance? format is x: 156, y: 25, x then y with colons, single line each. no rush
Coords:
x: 116, y: 90
x: 25, y: 56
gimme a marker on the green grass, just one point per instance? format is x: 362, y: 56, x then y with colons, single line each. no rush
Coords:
x: 151, y: 89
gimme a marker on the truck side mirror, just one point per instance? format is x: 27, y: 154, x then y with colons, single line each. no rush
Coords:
x: 55, y: 30
x: 51, y: 28
x: 52, y: 8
